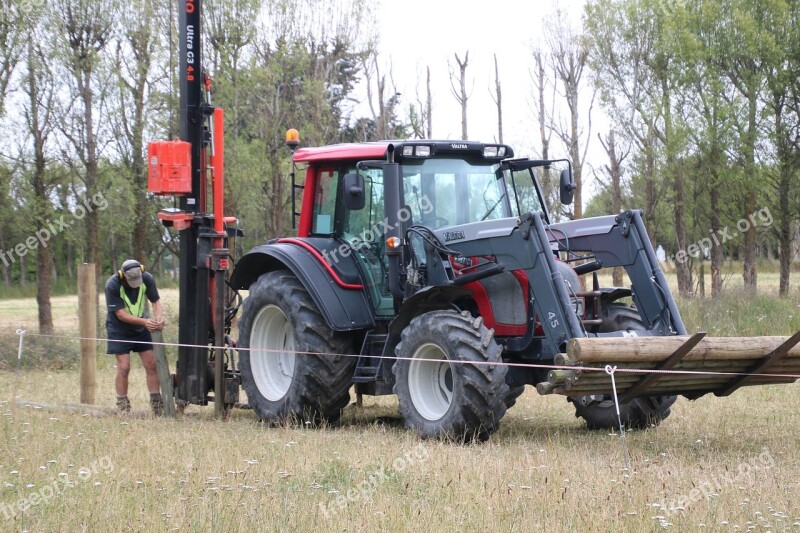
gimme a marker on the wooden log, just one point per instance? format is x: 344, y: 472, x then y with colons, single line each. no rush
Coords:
x: 561, y: 359
x: 164, y: 376
x: 683, y: 365
x: 545, y: 388
x: 633, y: 349
x: 87, y: 319
x: 559, y: 377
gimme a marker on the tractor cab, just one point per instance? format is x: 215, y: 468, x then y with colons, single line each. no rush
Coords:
x: 440, y: 186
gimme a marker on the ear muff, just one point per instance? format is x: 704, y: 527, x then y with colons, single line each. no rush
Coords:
x: 122, y: 273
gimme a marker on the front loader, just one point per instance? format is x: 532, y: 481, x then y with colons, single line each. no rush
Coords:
x: 437, y: 265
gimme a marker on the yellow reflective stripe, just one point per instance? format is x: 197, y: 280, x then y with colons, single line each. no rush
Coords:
x: 138, y: 309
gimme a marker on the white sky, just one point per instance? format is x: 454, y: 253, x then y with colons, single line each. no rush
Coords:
x: 419, y: 33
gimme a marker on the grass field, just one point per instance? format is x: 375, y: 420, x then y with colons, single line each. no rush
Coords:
x: 717, y: 464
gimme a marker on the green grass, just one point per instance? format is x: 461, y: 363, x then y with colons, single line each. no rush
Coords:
x: 733, y: 315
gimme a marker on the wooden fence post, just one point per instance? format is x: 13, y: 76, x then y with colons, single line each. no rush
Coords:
x: 164, y: 377
x: 87, y: 319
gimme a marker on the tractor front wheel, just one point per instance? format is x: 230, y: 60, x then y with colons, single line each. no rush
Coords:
x: 445, y: 382
x: 640, y: 413
x: 289, y: 358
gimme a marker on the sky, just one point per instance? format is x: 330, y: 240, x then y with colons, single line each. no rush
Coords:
x: 417, y: 33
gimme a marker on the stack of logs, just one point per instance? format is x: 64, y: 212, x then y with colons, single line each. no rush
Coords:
x: 727, y: 362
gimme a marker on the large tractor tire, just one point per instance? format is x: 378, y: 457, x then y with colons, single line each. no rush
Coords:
x: 641, y: 413
x: 288, y: 355
x: 463, y: 400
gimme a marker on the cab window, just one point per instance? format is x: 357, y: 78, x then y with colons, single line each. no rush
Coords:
x: 325, y: 202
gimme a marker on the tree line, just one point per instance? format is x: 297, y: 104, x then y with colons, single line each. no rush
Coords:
x: 702, y: 95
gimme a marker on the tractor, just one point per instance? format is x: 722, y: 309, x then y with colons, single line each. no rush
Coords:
x: 437, y: 264
x: 431, y: 270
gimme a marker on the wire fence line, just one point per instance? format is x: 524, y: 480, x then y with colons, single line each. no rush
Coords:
x: 22, y: 333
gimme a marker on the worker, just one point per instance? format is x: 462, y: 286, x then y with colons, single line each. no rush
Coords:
x: 129, y: 327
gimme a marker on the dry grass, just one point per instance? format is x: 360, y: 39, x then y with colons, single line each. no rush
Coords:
x: 542, y: 470
x: 22, y: 313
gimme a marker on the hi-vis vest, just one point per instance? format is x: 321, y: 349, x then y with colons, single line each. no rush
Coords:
x: 136, y: 310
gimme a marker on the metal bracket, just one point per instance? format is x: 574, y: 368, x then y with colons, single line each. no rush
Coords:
x: 769, y: 360
x: 666, y: 364
x: 624, y: 220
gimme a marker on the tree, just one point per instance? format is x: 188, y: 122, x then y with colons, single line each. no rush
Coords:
x: 460, y: 93
x: 135, y: 56
x: 701, y: 45
x: 40, y: 90
x: 616, y: 158
x: 783, y: 100
x: 569, y: 55
x: 743, y: 64
x: 497, y: 97
x: 12, y: 32
x: 84, y: 28
x: 638, y: 73
x: 543, y: 86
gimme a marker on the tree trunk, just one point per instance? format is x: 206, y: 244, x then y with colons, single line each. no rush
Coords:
x: 6, y: 275
x: 683, y: 271
x: 749, y: 272
x: 716, y: 247
x: 498, y: 101
x: 574, y: 151
x: 785, y: 223
x: 461, y: 93
x: 429, y: 103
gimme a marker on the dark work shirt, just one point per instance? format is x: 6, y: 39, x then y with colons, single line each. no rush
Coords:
x: 114, y: 326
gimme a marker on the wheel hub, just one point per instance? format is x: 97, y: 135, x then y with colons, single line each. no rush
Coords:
x: 272, y: 356
x: 430, y: 382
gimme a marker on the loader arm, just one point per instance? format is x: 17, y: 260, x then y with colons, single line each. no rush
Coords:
x: 661, y: 360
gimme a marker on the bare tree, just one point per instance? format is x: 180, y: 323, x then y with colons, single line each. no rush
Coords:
x: 381, y: 106
x: 429, y: 103
x: 616, y: 157
x: 569, y: 59
x: 544, y: 101
x: 460, y: 92
x: 419, y: 114
x: 498, y: 100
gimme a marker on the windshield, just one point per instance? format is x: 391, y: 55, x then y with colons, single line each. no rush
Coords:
x: 446, y: 192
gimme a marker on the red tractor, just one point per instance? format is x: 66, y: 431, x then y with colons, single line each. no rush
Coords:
x: 430, y: 270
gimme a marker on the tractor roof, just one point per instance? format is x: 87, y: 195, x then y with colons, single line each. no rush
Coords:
x: 378, y: 149
x: 372, y: 150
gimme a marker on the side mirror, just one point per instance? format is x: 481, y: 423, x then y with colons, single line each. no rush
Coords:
x: 353, y: 192
x: 567, y: 187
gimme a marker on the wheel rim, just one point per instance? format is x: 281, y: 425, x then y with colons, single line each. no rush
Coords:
x: 430, y: 382
x: 272, y: 356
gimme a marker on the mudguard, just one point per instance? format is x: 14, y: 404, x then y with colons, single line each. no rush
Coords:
x: 343, y: 304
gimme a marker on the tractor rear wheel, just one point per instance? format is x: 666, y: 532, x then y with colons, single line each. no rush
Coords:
x: 290, y: 359
x: 640, y: 413
x: 444, y: 387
